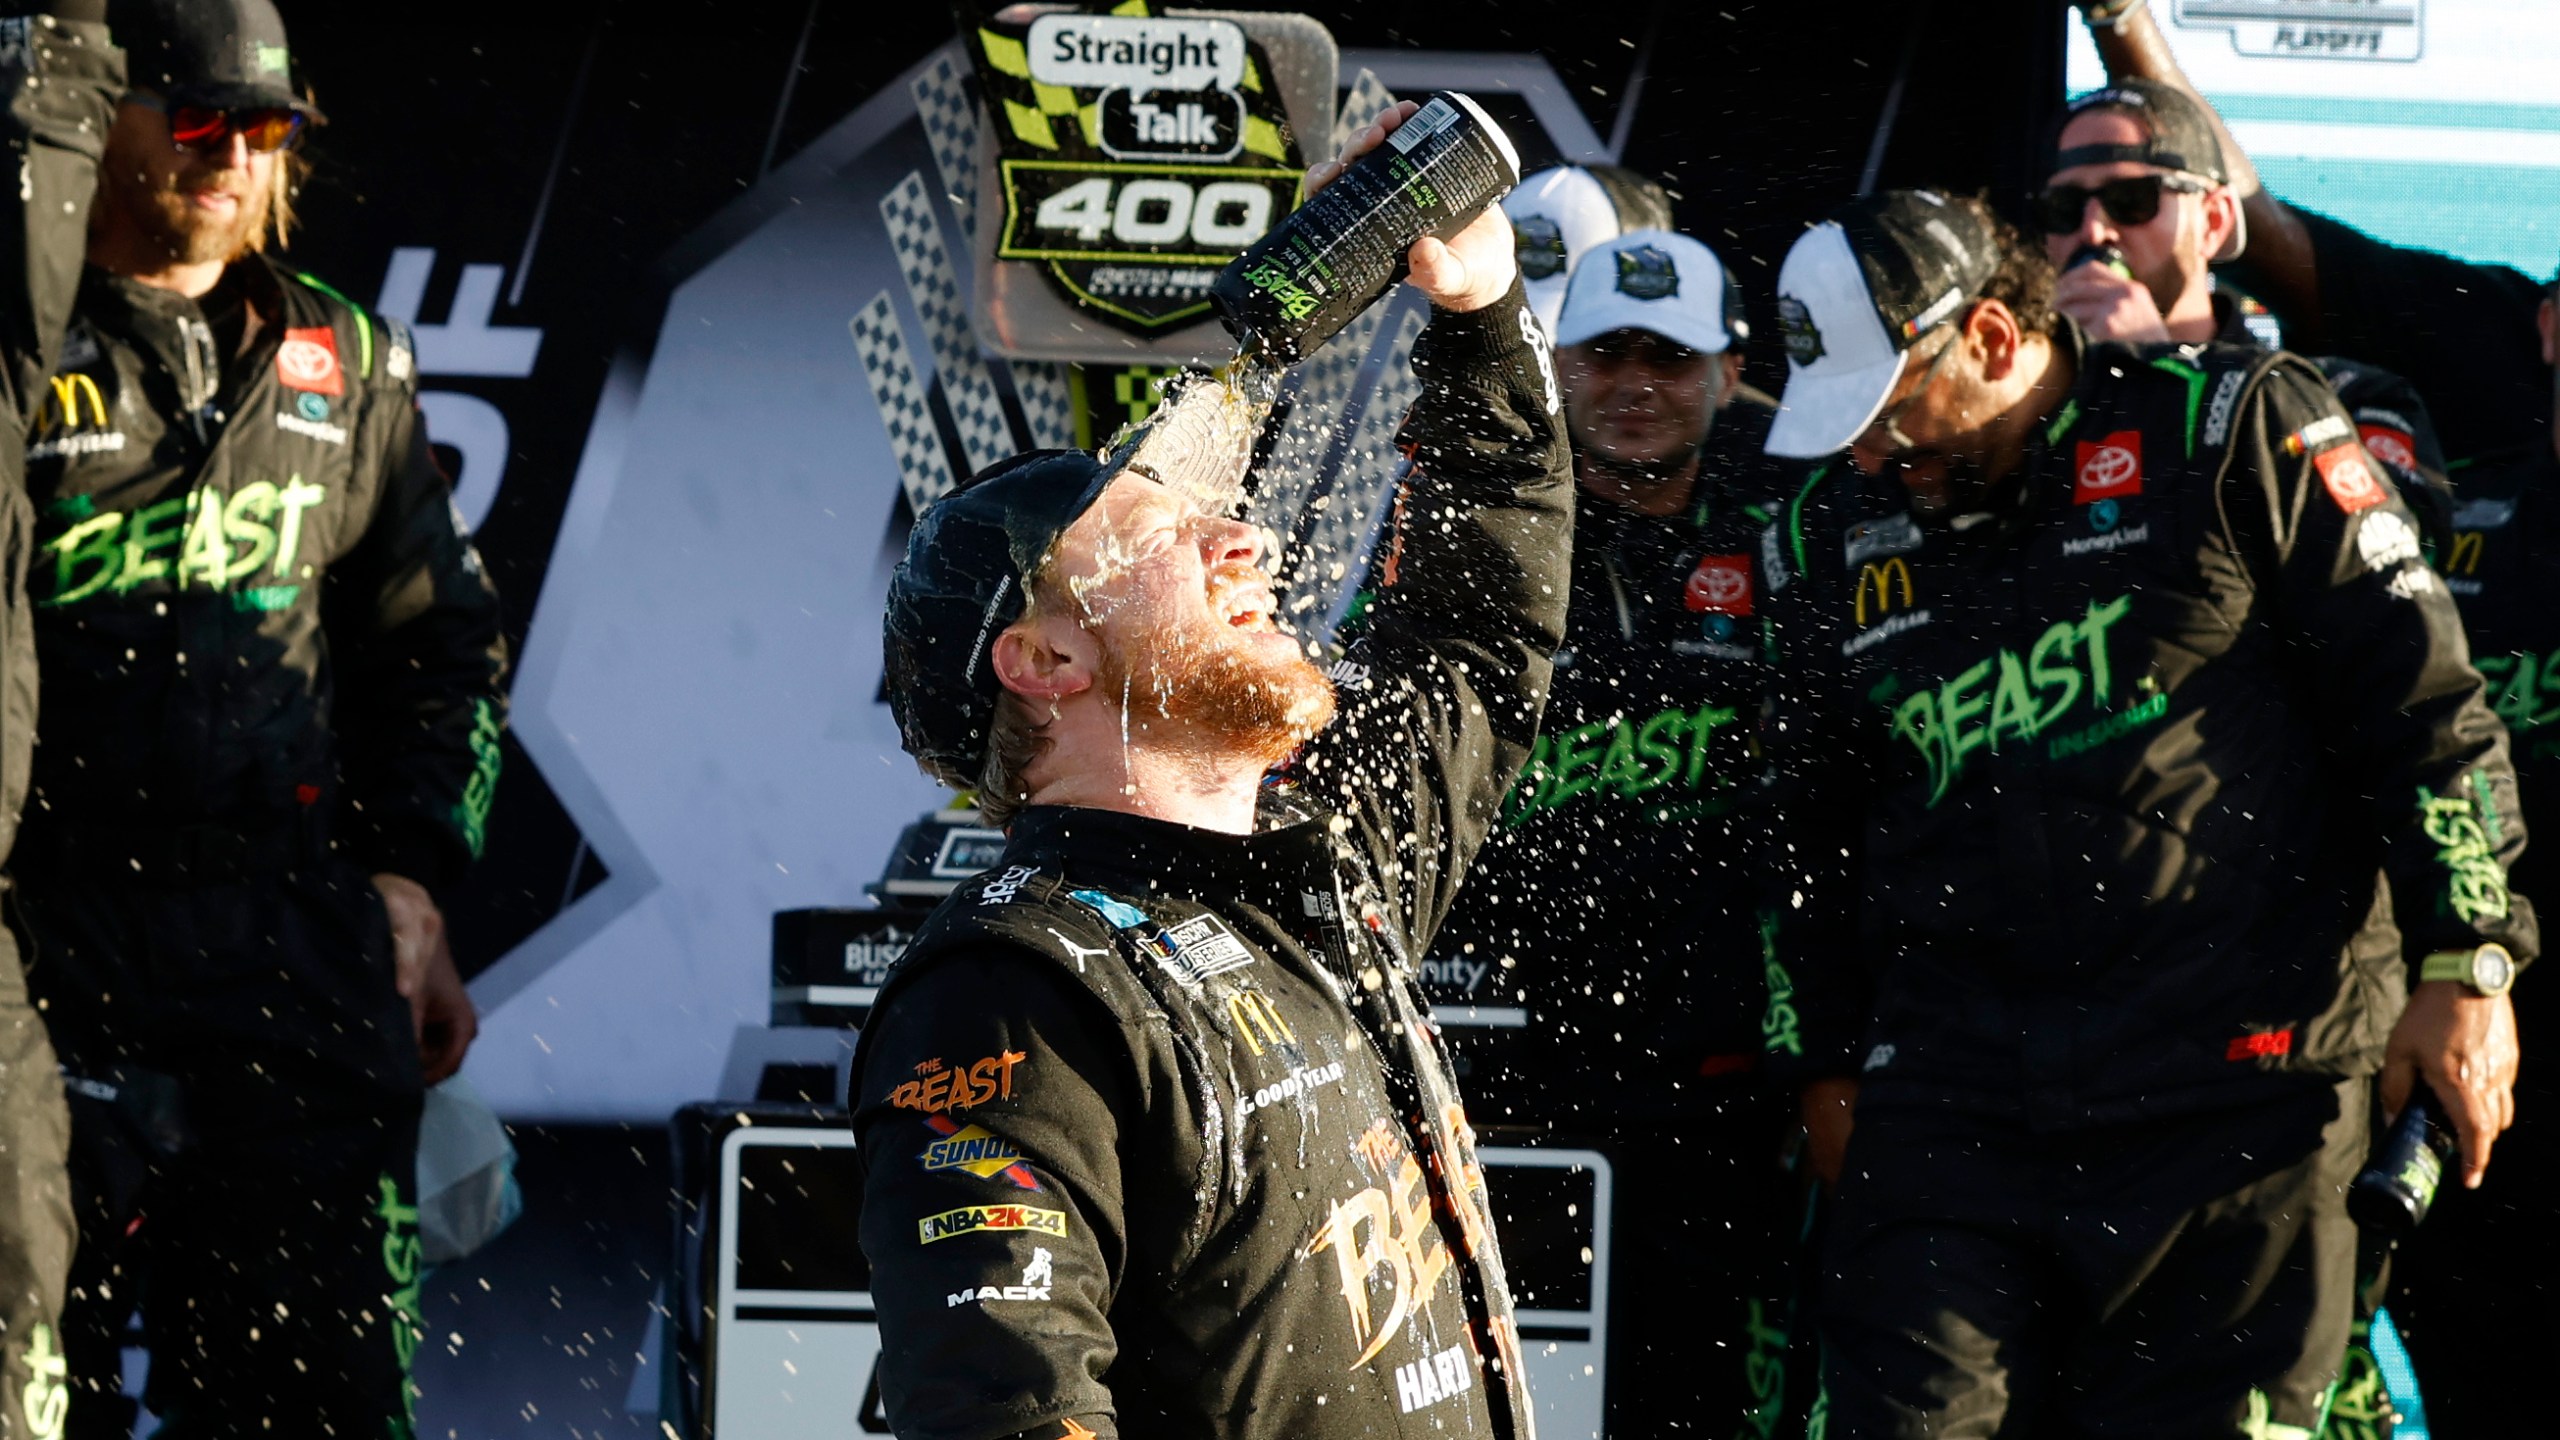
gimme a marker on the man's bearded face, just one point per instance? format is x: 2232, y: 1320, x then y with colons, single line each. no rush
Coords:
x: 197, y: 207
x: 1192, y: 648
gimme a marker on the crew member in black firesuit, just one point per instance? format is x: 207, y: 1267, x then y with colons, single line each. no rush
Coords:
x: 1158, y: 1136
x: 2477, y: 1289
x: 61, y: 76
x: 1601, y: 975
x: 2110, y: 680
x: 2138, y: 185
x: 269, y: 735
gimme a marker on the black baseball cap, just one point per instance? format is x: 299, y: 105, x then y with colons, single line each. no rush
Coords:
x: 225, y: 54
x: 1855, y: 293
x: 2179, y: 136
x: 970, y: 561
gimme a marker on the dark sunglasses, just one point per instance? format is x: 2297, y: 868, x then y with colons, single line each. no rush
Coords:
x: 2133, y: 200
x: 206, y: 130
x: 1644, y: 346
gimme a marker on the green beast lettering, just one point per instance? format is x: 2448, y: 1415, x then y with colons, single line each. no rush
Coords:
x: 471, y: 813
x: 1764, y: 1368
x: 46, y: 1402
x: 1780, y: 1029
x: 2475, y: 883
x: 1996, y: 700
x: 2524, y: 688
x: 1623, y: 757
x: 202, y: 540
x: 402, y: 1263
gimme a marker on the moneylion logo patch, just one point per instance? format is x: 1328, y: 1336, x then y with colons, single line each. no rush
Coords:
x: 971, y: 1219
x: 1795, y: 325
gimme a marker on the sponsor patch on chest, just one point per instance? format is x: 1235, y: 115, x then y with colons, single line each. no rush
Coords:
x: 308, y: 360
x: 2109, y: 469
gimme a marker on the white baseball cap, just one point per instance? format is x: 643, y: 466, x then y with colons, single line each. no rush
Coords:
x: 1650, y: 280
x: 1559, y: 213
x: 1855, y: 294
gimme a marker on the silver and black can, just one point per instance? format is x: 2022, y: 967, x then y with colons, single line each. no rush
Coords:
x: 1316, y: 270
x: 2399, y: 1182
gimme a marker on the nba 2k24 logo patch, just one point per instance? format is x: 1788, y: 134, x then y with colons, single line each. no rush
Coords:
x: 2110, y: 469
x: 970, y: 1219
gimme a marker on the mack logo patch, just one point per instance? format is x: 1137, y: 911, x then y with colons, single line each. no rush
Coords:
x: 1538, y: 242
x: 970, y: 1148
x: 308, y: 360
x: 971, y: 1219
x: 2391, y: 447
x: 1795, y: 326
x: 2110, y: 469
x: 2385, y: 540
x: 1721, y: 585
x: 2349, y: 479
x: 1646, y: 273
x: 1037, y: 1277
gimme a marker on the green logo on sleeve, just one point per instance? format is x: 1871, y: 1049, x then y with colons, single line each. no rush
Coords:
x: 2475, y: 883
x: 471, y: 813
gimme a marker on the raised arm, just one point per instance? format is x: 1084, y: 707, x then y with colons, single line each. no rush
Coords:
x: 1442, y: 689
x: 62, y: 78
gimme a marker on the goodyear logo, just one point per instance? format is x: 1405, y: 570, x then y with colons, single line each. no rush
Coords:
x: 971, y: 1219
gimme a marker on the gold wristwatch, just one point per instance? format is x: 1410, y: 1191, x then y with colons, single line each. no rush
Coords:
x: 2485, y: 969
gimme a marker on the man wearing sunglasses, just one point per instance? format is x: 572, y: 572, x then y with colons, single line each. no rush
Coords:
x: 2109, y: 679
x: 2473, y: 1289
x: 1599, y: 976
x: 271, y: 668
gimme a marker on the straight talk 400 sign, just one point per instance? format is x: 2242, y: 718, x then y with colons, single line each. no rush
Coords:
x: 1128, y: 157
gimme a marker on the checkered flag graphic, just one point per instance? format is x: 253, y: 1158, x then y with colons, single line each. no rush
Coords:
x: 1361, y: 101
x: 1047, y: 402
x: 1334, y: 551
x: 1293, y: 476
x: 905, y: 413
x: 934, y: 286
x: 951, y: 122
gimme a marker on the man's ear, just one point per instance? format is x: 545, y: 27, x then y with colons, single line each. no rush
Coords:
x: 1993, y: 331
x: 1730, y: 362
x: 2221, y: 217
x: 1044, y: 658
x: 2548, y: 317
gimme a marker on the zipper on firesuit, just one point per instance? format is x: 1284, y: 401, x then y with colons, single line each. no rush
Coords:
x: 204, y: 376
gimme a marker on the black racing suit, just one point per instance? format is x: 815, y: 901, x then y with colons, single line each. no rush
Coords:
x: 271, y: 664
x: 61, y: 76
x: 1158, y: 1137
x: 2088, y: 794
x: 2477, y: 1290
x: 1600, y: 978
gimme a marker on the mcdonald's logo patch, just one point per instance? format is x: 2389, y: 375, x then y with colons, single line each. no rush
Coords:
x: 2465, y: 559
x: 73, y: 396
x: 1881, y: 582
x: 1721, y: 585
x: 1258, y: 1021
x: 308, y: 360
x: 2109, y: 469
x: 72, y: 420
x: 970, y: 1219
x: 970, y: 1148
x: 2349, y: 479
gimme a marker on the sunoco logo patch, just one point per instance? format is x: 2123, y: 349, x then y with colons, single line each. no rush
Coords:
x: 1646, y: 273
x: 1796, y: 327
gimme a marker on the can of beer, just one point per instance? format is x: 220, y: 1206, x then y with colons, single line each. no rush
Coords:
x: 2398, y: 1185
x: 1335, y: 255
